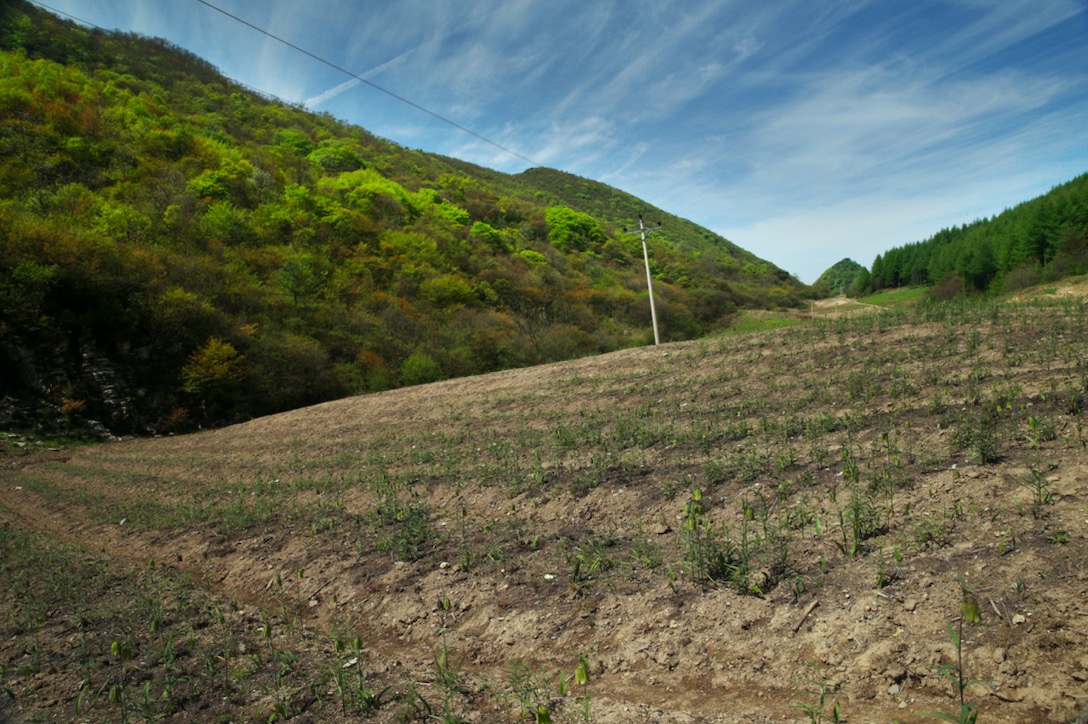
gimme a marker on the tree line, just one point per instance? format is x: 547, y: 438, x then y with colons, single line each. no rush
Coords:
x: 1042, y: 239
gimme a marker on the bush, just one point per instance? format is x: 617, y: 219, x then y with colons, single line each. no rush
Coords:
x: 1022, y: 276
x: 533, y: 257
x: 572, y: 230
x: 333, y: 155
x: 290, y: 371
x: 950, y: 288
x: 420, y: 368
x: 213, y: 376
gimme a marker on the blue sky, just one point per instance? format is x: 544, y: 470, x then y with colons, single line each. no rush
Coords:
x: 803, y: 130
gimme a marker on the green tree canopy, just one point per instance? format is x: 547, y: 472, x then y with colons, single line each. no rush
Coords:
x: 571, y: 230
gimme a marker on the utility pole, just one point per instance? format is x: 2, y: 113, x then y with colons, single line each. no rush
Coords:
x: 643, y: 232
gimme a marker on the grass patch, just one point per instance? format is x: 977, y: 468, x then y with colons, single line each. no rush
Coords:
x: 895, y: 297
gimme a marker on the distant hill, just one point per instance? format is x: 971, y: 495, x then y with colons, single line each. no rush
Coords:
x: 179, y: 251
x: 838, y: 278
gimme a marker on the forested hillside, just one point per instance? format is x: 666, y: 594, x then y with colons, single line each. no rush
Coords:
x: 177, y: 250
x: 1045, y: 238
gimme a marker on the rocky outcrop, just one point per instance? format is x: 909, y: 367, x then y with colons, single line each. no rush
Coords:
x: 88, y: 394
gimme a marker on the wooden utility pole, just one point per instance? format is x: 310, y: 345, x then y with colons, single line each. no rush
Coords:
x: 643, y: 232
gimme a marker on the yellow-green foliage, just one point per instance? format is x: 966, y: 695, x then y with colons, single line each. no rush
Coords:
x: 148, y: 203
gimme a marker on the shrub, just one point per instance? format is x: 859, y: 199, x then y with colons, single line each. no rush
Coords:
x: 212, y: 375
x: 1022, y: 276
x: 333, y: 155
x: 420, y: 368
x: 533, y: 257
x: 572, y: 230
x: 949, y: 288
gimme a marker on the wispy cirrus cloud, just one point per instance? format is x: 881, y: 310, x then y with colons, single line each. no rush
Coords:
x: 855, y: 127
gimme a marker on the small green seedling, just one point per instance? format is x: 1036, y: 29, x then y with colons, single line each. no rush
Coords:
x: 581, y: 677
x: 969, y: 612
x: 817, y: 713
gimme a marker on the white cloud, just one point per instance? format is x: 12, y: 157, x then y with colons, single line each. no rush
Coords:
x: 331, y: 93
x: 1001, y: 25
x: 854, y: 127
x: 579, y: 146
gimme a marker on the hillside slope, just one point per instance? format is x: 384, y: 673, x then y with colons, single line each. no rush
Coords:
x: 706, y: 529
x: 179, y: 251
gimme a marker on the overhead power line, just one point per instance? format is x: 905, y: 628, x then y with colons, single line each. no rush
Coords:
x: 375, y: 86
x: 318, y: 58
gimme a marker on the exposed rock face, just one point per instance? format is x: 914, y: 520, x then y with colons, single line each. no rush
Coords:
x: 108, y: 388
x: 86, y: 394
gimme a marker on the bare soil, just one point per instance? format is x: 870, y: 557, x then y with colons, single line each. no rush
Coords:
x: 456, y: 549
